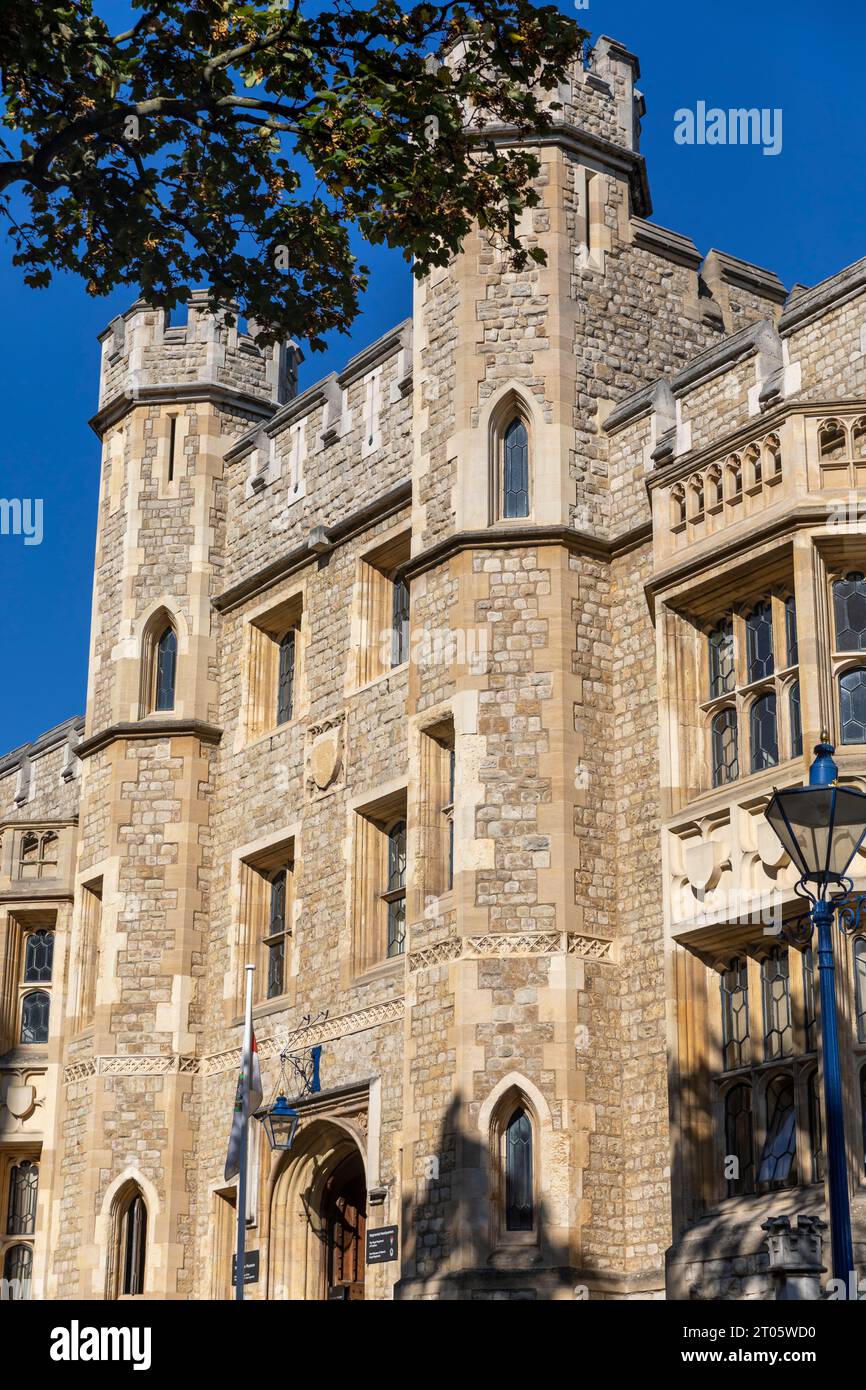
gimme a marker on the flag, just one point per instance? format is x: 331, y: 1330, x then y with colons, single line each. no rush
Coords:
x: 233, y: 1157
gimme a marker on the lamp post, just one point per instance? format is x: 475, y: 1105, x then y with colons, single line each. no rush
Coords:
x: 821, y: 827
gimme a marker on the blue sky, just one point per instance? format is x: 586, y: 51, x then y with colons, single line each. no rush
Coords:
x: 800, y: 213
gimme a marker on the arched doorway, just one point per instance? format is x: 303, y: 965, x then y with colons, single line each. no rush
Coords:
x: 344, y: 1212
x: 318, y: 1216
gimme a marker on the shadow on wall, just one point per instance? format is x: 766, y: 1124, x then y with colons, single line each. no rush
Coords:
x: 457, y: 1241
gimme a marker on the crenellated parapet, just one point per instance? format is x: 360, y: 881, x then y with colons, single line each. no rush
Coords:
x: 146, y: 358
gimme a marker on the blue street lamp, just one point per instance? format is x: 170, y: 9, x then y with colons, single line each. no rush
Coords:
x: 280, y: 1122
x: 821, y: 827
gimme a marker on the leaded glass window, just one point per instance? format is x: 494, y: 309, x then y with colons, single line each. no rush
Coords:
x: 134, y: 1236
x: 18, y: 1272
x: 286, y: 678
x: 860, y: 985
x: 726, y: 766
x: 38, y: 957
x: 23, y: 1188
x: 795, y: 720
x: 396, y: 894
x: 734, y: 985
x: 810, y: 1001
x: 166, y: 666
x: 763, y: 735
x: 721, y: 651
x: 816, y: 1128
x: 515, y: 470
x: 852, y: 705
x: 778, y: 1168
x: 759, y: 642
x: 776, y: 993
x: 400, y: 623
x: 519, y: 1214
x: 739, y: 1139
x: 276, y: 937
x: 34, y: 1017
x: 849, y: 607
x: 791, y: 646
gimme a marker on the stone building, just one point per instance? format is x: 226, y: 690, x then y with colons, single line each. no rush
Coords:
x: 450, y: 692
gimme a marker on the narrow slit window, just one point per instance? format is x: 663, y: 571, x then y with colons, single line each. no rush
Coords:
x: 172, y: 438
x: 519, y: 1204
x: 286, y: 679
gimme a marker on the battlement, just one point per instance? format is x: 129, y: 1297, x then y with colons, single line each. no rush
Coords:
x: 143, y: 353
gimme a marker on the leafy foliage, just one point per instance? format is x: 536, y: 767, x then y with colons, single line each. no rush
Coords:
x: 233, y: 145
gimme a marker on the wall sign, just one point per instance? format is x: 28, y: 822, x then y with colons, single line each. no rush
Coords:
x: 381, y: 1245
x: 251, y: 1267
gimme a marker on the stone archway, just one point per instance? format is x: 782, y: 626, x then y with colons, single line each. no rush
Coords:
x: 317, y: 1216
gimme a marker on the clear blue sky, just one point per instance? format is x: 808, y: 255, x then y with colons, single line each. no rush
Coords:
x: 800, y: 213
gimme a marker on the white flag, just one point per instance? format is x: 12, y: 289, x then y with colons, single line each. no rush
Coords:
x: 233, y: 1157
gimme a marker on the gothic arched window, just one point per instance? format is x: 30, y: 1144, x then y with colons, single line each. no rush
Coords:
x: 734, y: 987
x: 38, y: 957
x: 166, y: 669
x: 515, y: 470
x: 739, y: 1139
x: 776, y: 991
x: 724, y: 738
x: 849, y: 610
x: 133, y: 1246
x: 23, y: 1188
x: 852, y: 705
x: 721, y: 650
x: 816, y: 1128
x: 286, y: 678
x: 18, y: 1271
x: 519, y: 1200
x: 759, y: 642
x: 763, y: 735
x: 34, y: 1017
x: 778, y: 1160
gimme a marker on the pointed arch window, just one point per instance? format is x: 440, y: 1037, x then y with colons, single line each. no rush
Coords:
x: 852, y: 705
x: 763, y: 734
x: 166, y: 670
x: 849, y: 610
x: 23, y: 1189
x: 726, y: 767
x: 34, y: 1017
x: 739, y: 1139
x: 18, y: 1272
x: 515, y: 470
x: 519, y: 1199
x: 38, y: 957
x: 133, y: 1246
x: 778, y: 1159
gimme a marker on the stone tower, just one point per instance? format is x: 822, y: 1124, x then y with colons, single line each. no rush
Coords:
x: 170, y: 398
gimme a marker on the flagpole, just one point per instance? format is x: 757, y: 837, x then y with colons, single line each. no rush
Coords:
x: 246, y: 1066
